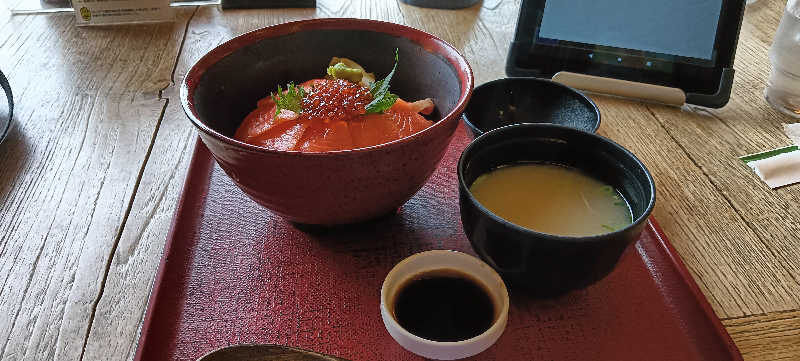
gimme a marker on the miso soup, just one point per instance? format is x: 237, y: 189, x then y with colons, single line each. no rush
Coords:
x: 552, y: 199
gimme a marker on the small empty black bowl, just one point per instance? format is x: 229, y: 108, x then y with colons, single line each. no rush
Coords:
x: 509, y: 101
x: 546, y: 264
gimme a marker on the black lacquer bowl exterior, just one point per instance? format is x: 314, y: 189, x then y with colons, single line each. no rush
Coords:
x: 508, y: 101
x: 542, y: 263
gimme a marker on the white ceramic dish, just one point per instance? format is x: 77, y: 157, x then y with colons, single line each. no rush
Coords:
x: 442, y: 259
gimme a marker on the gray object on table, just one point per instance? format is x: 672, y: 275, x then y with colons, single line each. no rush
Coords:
x: 260, y: 4
x: 442, y: 4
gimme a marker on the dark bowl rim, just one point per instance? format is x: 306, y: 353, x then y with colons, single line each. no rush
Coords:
x: 4, y: 128
x: 425, y: 40
x: 8, y: 118
x: 552, y: 237
x: 580, y: 95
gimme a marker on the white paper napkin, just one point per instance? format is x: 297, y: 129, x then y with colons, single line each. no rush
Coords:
x: 778, y: 167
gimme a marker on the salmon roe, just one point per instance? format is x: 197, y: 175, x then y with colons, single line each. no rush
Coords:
x: 336, y: 99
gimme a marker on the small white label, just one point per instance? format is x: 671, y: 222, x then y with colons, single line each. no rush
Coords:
x: 103, y: 12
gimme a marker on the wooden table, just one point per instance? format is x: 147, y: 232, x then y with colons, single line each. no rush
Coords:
x: 92, y: 169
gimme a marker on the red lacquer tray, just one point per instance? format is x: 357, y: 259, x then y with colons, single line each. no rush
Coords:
x: 234, y: 273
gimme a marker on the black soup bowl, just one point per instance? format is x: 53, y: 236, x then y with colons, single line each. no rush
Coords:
x: 510, y: 101
x: 546, y: 264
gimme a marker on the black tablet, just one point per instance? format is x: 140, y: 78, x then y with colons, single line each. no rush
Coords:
x: 683, y: 44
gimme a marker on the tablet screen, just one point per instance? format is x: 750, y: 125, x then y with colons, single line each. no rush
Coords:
x: 684, y: 44
x: 686, y: 28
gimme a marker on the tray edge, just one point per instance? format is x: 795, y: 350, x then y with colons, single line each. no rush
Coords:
x: 202, y: 161
x: 687, y: 278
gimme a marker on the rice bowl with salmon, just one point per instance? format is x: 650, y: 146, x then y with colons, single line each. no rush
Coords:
x: 328, y: 146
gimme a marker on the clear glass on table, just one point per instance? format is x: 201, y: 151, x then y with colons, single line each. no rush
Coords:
x: 783, y: 87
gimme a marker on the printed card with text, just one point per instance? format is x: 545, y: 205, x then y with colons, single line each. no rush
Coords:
x: 106, y: 12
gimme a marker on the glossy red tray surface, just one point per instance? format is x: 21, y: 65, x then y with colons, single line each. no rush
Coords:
x: 234, y: 273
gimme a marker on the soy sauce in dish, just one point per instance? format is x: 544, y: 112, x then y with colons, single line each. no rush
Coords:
x: 444, y: 305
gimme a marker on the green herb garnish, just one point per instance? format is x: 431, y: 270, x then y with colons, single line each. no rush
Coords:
x: 382, y: 99
x: 291, y: 100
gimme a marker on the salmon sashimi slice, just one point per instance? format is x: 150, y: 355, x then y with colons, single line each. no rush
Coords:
x: 263, y: 123
x: 256, y: 124
x: 324, y: 136
x: 372, y: 129
x: 409, y: 123
x: 266, y: 102
x: 283, y: 137
x: 424, y: 106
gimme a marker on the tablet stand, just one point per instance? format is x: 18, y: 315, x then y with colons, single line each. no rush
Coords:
x: 623, y: 88
x: 649, y: 92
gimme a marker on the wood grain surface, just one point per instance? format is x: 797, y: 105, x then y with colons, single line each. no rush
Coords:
x: 774, y: 336
x: 87, y: 113
x: 95, y: 162
x: 767, y: 246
